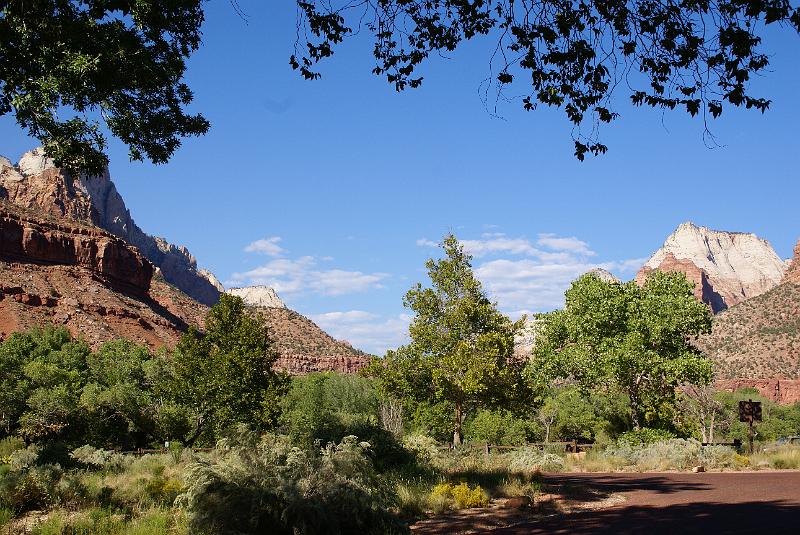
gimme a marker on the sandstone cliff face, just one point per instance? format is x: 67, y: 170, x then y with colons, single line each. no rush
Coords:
x: 66, y: 273
x: 726, y: 267
x: 793, y: 272
x: 36, y: 183
x: 783, y: 391
x: 258, y: 296
x: 25, y: 238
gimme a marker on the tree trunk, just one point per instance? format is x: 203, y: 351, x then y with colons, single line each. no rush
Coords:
x: 634, y: 395
x: 547, y: 433
x: 457, y: 440
x: 711, y: 429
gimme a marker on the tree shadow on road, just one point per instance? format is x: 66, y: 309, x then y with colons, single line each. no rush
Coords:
x: 599, y: 486
x: 778, y: 517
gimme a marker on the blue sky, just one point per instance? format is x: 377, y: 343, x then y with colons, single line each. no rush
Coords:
x: 333, y: 190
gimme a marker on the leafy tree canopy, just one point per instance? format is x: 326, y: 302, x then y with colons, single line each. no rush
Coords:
x: 635, y: 339
x: 67, y: 65
x: 461, y: 348
x: 225, y: 373
x: 694, y: 55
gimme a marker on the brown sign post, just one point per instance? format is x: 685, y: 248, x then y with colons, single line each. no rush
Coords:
x: 750, y: 411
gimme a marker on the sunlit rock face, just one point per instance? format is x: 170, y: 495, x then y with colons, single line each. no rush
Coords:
x: 258, y: 296
x: 726, y: 267
x: 36, y: 183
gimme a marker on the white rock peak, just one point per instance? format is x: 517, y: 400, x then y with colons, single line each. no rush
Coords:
x: 742, y: 261
x: 258, y: 296
x: 603, y: 275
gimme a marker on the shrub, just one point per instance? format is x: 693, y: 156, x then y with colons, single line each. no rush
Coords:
x: 466, y: 498
x: 721, y: 457
x: 268, y: 486
x: 446, y: 495
x: 497, y: 428
x: 533, y: 459
x: 5, y: 516
x: 23, y: 459
x: 30, y: 490
x: 423, y: 447
x: 8, y: 446
x: 644, y: 436
x: 671, y: 454
x: 98, y: 458
x: 163, y: 491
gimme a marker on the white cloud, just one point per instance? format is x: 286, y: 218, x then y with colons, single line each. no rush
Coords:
x: 572, y: 244
x: 266, y: 246
x: 425, y: 242
x: 548, y: 247
x: 499, y: 244
x: 367, y: 331
x: 528, y: 285
x: 288, y: 276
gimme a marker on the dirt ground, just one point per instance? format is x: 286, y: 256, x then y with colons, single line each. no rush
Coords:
x: 655, y: 503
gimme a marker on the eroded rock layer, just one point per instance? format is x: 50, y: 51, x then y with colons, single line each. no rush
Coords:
x: 65, y: 273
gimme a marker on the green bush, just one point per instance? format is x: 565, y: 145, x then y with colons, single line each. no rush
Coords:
x: 29, y: 490
x: 98, y: 458
x: 5, y: 516
x: 422, y: 447
x: 497, y: 428
x: 644, y: 436
x: 8, y: 446
x: 268, y: 486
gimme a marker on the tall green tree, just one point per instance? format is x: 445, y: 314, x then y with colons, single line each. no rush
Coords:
x: 461, y: 348
x: 44, y: 372
x: 631, y: 338
x: 70, y: 67
x: 225, y: 374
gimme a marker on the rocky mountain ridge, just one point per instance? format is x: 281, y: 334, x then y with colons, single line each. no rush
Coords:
x: 726, y: 267
x: 36, y: 183
x: 62, y: 272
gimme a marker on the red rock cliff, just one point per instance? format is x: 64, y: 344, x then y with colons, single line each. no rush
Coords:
x: 703, y: 289
x: 29, y: 239
x: 793, y: 273
x: 783, y: 391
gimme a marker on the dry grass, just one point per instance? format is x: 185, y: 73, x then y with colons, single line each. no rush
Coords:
x: 781, y: 458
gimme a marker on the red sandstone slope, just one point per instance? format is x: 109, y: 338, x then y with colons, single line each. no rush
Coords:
x: 760, y: 338
x: 35, y: 183
x: 304, y: 347
x: 58, y: 271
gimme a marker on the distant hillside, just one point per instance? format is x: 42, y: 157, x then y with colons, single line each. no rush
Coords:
x: 303, y: 347
x: 760, y: 337
x: 35, y: 183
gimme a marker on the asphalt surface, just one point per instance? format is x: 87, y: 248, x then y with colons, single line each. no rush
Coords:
x: 679, y: 503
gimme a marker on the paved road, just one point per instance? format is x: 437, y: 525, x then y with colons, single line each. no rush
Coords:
x: 709, y: 503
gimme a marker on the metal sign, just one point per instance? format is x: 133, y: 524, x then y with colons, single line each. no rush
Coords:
x: 750, y: 411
